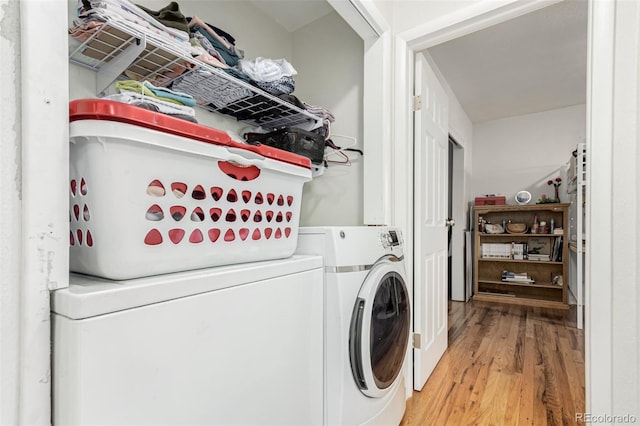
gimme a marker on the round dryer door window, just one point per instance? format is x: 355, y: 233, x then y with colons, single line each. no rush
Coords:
x: 379, y: 332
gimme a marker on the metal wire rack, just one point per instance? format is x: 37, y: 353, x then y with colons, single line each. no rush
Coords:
x: 117, y: 51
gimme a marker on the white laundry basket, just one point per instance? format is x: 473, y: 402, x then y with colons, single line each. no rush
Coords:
x: 153, y: 194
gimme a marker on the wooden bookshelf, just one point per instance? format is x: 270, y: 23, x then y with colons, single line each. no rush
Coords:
x: 488, y: 271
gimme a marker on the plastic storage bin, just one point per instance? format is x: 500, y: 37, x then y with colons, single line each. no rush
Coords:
x: 153, y: 194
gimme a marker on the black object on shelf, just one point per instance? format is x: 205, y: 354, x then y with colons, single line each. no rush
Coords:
x: 298, y: 141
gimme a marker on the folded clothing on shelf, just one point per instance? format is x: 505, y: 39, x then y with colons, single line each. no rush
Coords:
x: 154, y: 104
x: 134, y: 16
x: 169, y: 15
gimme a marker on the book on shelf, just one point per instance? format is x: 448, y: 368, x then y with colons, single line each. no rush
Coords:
x: 539, y: 257
x: 517, y: 277
x: 495, y: 251
x: 557, y: 250
x: 513, y: 250
x: 518, y: 250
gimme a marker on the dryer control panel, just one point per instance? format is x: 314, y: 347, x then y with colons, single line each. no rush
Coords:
x: 391, y: 238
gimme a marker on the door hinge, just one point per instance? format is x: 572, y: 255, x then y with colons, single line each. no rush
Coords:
x: 417, y: 103
x: 417, y: 340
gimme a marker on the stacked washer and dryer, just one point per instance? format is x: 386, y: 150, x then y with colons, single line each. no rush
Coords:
x: 367, y: 322
x: 194, y: 308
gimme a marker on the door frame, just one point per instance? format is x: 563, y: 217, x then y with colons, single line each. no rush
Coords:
x: 600, y: 63
x: 457, y: 203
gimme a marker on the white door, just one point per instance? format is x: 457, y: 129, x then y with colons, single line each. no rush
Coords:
x: 430, y: 221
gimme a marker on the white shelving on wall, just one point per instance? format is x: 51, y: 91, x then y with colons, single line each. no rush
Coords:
x: 119, y: 51
x: 577, y: 235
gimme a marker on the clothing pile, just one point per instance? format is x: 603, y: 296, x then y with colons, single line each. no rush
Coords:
x: 92, y: 14
x: 159, y: 99
x: 217, y: 48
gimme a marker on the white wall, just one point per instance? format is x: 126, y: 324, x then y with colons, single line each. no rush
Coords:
x: 10, y: 213
x: 328, y: 55
x: 524, y: 152
x: 33, y: 207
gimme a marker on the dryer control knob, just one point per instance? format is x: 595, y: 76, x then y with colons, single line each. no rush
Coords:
x: 392, y: 239
x: 385, y: 239
x: 389, y: 239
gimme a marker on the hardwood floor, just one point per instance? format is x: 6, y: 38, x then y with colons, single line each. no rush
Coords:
x: 505, y: 365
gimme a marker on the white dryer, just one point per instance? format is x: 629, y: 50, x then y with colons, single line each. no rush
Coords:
x: 238, y: 344
x: 367, y: 322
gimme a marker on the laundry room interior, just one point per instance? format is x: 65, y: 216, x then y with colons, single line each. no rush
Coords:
x: 207, y: 265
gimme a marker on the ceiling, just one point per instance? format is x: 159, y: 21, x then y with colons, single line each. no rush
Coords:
x: 536, y: 62
x: 293, y: 15
x: 533, y: 63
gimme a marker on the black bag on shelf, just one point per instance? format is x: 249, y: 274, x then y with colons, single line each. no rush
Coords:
x: 298, y: 141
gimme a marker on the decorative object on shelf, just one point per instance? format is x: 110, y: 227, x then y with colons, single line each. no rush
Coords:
x: 516, y: 228
x: 493, y: 228
x: 557, y: 280
x: 534, y: 226
x: 556, y: 184
x: 481, y: 224
x: 539, y: 246
x: 523, y: 197
x: 545, y: 200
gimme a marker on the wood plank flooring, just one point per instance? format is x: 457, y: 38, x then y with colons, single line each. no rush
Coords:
x: 505, y: 365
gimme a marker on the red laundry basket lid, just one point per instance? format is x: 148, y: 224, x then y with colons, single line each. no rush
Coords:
x: 102, y: 109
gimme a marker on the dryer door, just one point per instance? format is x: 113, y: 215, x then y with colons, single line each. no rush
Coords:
x: 379, y: 332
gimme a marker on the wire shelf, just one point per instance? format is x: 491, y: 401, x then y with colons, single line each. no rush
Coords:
x: 117, y: 51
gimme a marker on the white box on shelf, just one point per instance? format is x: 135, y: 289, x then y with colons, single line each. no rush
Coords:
x: 153, y: 194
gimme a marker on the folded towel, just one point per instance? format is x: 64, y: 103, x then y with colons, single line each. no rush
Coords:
x: 148, y: 89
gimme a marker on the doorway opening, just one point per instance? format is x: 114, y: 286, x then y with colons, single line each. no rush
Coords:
x: 523, y: 129
x: 458, y: 128
x: 457, y: 289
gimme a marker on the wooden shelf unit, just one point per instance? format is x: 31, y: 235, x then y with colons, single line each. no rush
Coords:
x: 488, y: 284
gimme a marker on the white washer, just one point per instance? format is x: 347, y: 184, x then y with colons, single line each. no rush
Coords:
x: 367, y: 322
x: 238, y: 344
